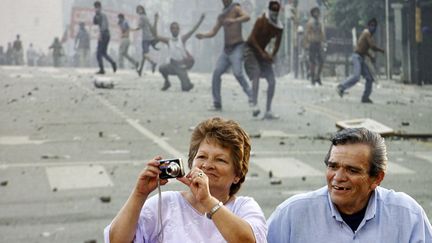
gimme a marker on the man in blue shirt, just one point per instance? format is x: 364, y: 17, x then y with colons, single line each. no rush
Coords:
x: 352, y: 207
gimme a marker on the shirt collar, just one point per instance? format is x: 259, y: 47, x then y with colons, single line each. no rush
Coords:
x: 370, y: 210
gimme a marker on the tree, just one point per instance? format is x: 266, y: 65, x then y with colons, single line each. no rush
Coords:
x: 348, y: 14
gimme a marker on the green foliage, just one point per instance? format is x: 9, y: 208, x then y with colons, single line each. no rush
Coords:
x: 346, y: 14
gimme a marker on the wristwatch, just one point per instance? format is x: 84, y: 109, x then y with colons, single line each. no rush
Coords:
x: 209, y: 215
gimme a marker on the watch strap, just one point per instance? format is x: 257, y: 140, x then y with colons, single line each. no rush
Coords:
x: 209, y: 215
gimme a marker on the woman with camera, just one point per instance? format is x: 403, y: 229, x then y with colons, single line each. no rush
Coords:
x: 209, y: 211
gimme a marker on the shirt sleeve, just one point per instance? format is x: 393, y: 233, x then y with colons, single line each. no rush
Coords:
x: 146, y: 230
x: 279, y: 225
x: 250, y: 211
x: 422, y: 231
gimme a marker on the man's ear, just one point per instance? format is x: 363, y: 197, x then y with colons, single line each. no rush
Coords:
x: 378, y: 179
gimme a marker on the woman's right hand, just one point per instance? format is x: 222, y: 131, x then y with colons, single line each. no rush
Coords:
x: 147, y: 180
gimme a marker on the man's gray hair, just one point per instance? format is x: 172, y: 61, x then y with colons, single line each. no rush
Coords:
x: 378, y: 155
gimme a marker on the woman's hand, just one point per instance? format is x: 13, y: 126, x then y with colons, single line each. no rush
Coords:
x: 198, y: 183
x: 147, y: 180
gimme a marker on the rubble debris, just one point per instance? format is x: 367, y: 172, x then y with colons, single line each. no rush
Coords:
x: 275, y: 182
x: 366, y: 123
x: 105, y: 199
x: 50, y: 156
x: 321, y: 137
x: 4, y: 183
x: 256, y: 135
x: 396, y: 102
x: 103, y: 83
x: 12, y: 101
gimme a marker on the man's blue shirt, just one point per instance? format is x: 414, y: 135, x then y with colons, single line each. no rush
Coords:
x: 391, y: 217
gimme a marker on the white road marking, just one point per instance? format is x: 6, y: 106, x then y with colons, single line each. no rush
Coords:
x: 135, y: 124
x: 69, y: 163
x: 19, y: 140
x: 425, y: 155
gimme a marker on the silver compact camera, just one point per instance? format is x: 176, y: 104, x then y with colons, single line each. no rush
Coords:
x: 171, y: 168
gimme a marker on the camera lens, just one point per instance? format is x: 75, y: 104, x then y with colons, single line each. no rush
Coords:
x: 173, y: 169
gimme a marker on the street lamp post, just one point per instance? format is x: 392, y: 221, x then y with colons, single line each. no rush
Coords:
x: 387, y: 13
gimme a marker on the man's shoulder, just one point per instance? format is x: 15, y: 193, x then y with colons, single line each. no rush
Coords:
x: 365, y: 33
x: 236, y: 9
x: 305, y: 199
x: 310, y: 22
x: 392, y: 199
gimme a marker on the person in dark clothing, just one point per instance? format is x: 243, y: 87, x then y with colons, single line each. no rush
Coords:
x: 57, y: 52
x: 101, y: 20
x: 18, y: 51
x: 258, y: 62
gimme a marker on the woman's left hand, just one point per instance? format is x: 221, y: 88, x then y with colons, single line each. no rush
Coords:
x: 198, y: 183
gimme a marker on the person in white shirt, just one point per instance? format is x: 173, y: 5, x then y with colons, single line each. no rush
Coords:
x: 180, y: 60
x: 209, y: 210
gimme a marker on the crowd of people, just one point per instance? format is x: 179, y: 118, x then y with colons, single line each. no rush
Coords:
x: 16, y: 55
x: 248, y: 59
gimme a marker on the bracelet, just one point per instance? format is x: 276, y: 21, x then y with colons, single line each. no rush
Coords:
x: 209, y: 215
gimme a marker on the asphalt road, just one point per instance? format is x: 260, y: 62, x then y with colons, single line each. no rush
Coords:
x: 70, y: 153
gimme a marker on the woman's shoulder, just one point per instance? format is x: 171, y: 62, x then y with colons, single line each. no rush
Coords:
x: 244, y: 203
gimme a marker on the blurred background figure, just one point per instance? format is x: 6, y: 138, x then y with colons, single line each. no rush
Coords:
x: 9, y: 54
x: 2, y: 56
x: 315, y: 39
x: 82, y: 46
x: 100, y: 19
x: 57, y: 52
x: 147, y: 38
x: 302, y: 54
x: 124, y: 42
x: 31, y: 56
x: 18, y: 52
